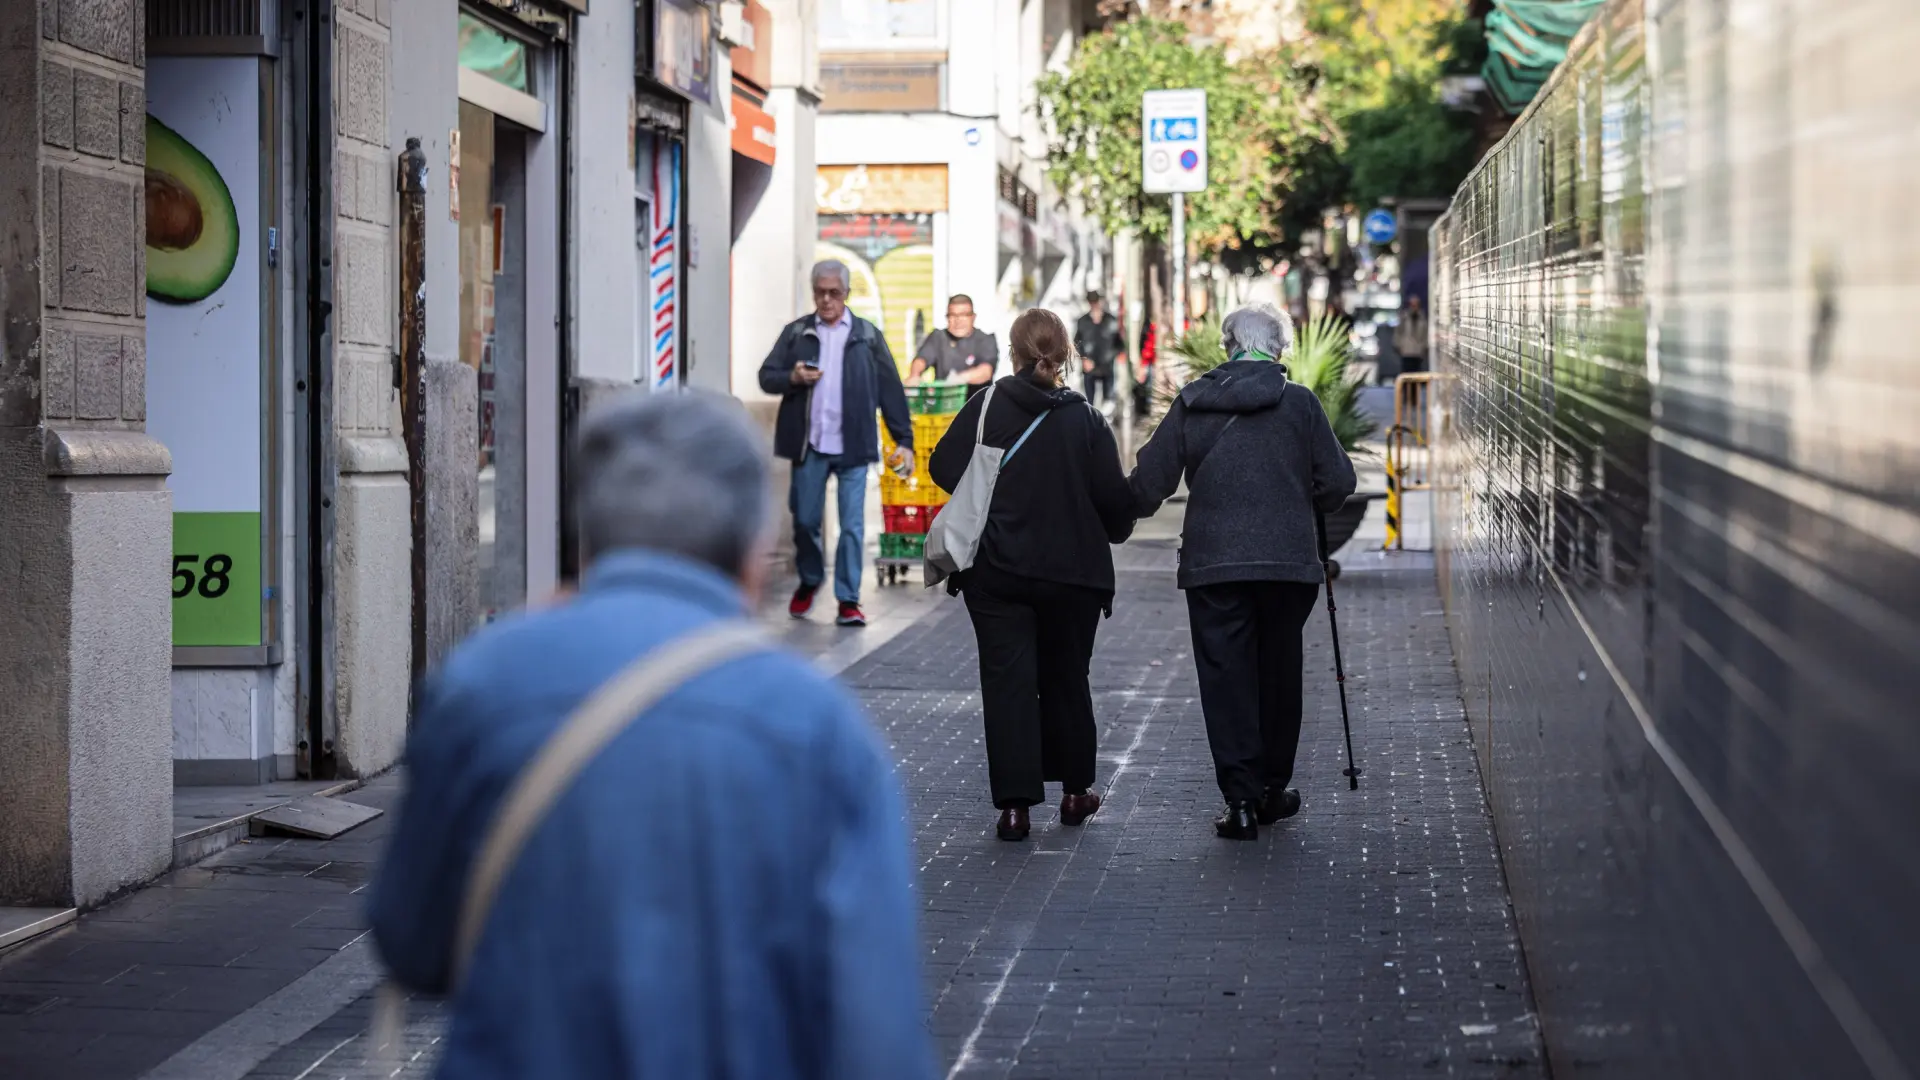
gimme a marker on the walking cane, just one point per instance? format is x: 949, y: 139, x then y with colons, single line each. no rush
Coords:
x: 1339, y: 669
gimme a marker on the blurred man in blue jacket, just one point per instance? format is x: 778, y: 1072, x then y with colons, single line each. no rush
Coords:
x: 725, y: 890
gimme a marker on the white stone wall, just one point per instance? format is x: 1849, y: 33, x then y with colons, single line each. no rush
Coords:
x: 706, y: 296
x: 775, y: 250
x: 85, y: 517
x: 371, y: 582
x: 606, y: 267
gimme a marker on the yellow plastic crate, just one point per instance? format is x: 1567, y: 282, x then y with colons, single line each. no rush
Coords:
x: 916, y: 490
x: 921, y: 455
x: 928, y: 431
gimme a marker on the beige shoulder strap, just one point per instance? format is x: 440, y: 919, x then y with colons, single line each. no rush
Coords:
x: 608, y: 712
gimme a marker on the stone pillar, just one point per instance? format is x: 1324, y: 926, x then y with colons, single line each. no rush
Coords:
x: 86, y: 770
x: 453, y: 510
x: 424, y: 103
x: 373, y: 531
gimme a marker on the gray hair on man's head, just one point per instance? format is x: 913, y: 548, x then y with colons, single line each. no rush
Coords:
x: 831, y: 268
x: 679, y: 473
x: 1260, y: 328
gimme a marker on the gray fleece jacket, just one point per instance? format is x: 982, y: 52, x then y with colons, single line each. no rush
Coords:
x: 1259, y: 458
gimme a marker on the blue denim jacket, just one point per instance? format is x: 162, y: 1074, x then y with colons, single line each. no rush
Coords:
x: 724, y: 892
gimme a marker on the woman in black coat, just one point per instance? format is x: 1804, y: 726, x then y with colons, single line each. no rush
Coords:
x: 1043, y: 576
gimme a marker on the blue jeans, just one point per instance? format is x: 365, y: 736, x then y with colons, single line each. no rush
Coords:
x: 807, y: 498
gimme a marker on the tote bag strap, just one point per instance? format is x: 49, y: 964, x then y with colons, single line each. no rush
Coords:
x: 609, y: 711
x: 980, y: 428
x: 1008, y: 456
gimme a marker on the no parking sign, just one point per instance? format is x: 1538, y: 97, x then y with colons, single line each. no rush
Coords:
x: 1173, y: 144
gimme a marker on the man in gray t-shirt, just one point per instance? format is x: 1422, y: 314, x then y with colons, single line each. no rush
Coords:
x: 959, y: 351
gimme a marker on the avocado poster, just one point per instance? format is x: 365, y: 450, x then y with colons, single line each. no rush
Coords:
x: 193, y: 232
x: 206, y: 337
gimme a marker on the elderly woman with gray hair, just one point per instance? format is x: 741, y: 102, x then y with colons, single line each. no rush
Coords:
x: 726, y: 886
x: 1260, y: 461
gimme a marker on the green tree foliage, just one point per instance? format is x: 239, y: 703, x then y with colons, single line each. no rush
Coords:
x: 1373, y: 68
x: 1412, y: 147
x: 1255, y: 129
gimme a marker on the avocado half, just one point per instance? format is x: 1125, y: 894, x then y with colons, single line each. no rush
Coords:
x: 193, y: 233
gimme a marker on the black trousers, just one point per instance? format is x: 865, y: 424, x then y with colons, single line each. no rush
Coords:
x: 1036, y: 649
x: 1099, y: 387
x: 1246, y: 645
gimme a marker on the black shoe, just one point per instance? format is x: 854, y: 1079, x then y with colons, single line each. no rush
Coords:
x: 1279, y: 804
x: 1076, y: 809
x: 1239, y: 822
x: 1014, y: 823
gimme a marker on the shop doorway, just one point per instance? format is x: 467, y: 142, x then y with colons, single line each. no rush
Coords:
x: 493, y: 342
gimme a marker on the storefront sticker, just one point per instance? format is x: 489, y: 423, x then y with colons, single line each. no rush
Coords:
x: 453, y: 174
x: 683, y: 47
x: 204, y: 339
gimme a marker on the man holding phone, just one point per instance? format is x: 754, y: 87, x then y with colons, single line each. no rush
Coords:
x: 833, y: 372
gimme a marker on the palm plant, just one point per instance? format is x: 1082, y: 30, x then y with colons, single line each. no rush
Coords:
x: 1321, y: 361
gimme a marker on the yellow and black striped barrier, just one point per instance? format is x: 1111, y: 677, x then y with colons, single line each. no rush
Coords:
x: 1409, y: 451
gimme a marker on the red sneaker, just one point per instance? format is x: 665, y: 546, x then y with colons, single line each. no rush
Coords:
x: 802, y: 601
x: 851, y: 615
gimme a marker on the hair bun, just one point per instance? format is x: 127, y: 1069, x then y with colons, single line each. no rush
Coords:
x: 1039, y: 341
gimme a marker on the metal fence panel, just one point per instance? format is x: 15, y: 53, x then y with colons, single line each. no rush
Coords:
x: 1678, y: 522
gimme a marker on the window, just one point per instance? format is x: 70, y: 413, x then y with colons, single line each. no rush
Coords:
x: 869, y: 23
x: 492, y: 53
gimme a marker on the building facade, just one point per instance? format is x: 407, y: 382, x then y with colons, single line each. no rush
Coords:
x: 932, y: 160
x: 303, y: 299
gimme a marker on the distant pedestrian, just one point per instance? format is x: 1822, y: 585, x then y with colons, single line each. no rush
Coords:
x: 1410, y: 337
x: 1143, y: 383
x: 960, y: 353
x: 1043, y: 576
x: 1260, y: 460
x: 833, y: 371
x: 725, y: 888
x: 1100, y: 341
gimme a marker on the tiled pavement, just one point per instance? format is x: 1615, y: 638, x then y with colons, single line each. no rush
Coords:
x: 1368, y: 937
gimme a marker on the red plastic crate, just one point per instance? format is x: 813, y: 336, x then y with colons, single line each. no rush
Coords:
x: 908, y: 519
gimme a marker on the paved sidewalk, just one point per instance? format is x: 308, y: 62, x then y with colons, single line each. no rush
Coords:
x: 125, y: 987
x: 1368, y: 937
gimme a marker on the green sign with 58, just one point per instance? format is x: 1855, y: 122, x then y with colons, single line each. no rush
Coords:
x: 216, y: 579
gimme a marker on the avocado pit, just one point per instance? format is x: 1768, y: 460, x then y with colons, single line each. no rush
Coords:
x: 174, y: 220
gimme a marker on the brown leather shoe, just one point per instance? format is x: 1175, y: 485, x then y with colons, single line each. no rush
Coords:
x: 1014, y: 824
x: 1075, y: 809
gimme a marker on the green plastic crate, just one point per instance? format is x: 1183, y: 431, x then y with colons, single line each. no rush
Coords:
x: 902, y: 545
x: 938, y: 399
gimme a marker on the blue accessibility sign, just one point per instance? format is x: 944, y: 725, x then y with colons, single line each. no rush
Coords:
x: 1175, y: 129
x: 1380, y: 227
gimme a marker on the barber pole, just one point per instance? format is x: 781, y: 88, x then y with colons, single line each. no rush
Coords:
x: 664, y: 267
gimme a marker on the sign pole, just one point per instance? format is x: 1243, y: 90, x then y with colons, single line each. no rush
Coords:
x: 1179, y: 264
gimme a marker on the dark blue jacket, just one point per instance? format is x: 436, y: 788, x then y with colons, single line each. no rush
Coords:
x: 869, y: 383
x: 725, y: 891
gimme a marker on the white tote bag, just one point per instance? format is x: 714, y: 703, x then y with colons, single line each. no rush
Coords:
x: 954, y: 538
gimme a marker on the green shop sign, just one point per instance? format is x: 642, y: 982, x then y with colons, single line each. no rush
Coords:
x: 216, y: 579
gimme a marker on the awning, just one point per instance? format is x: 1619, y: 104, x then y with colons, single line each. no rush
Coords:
x: 753, y: 135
